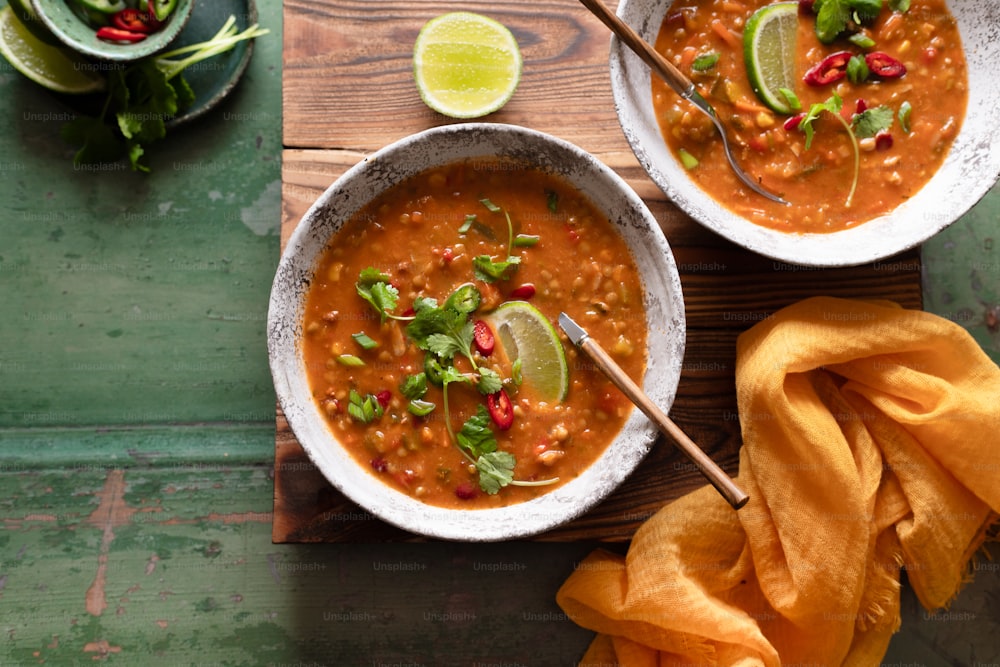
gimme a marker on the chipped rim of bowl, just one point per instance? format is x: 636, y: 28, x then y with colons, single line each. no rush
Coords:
x: 60, y: 19
x: 969, y: 171
x: 663, y: 302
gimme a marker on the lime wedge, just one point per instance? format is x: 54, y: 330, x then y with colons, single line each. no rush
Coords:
x: 526, y: 334
x: 769, y: 51
x: 466, y: 65
x: 50, y: 66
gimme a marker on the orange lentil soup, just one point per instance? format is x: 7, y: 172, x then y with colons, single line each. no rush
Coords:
x: 925, y: 102
x: 380, y: 387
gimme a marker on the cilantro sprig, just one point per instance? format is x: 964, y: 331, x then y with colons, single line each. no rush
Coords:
x: 865, y: 124
x: 488, y: 269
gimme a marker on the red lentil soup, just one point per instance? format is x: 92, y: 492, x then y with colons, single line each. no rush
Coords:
x: 420, y: 239
x: 930, y: 92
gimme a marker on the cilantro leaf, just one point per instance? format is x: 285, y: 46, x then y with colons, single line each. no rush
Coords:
x: 490, y: 271
x: 833, y: 17
x: 447, y: 345
x: 496, y: 470
x: 429, y: 321
x: 871, y: 121
x: 476, y: 437
x: 414, y: 386
x: 490, y: 381
x: 373, y: 287
x: 834, y: 104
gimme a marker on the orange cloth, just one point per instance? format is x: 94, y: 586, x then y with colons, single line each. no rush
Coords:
x: 870, y: 442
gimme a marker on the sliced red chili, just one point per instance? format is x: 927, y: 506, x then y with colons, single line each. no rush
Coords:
x: 501, y: 409
x: 883, y: 140
x: 113, y: 34
x: 525, y: 291
x: 482, y: 338
x: 794, y: 122
x: 135, y: 20
x: 829, y: 70
x: 884, y: 66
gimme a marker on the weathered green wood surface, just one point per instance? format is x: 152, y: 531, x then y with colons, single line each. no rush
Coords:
x: 137, y: 429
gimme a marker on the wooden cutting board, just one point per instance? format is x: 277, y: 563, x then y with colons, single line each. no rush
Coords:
x: 347, y: 91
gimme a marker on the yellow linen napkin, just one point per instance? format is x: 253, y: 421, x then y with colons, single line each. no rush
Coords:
x: 870, y: 443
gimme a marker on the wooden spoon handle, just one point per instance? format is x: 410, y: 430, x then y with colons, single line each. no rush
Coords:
x: 733, y: 494
x: 663, y: 67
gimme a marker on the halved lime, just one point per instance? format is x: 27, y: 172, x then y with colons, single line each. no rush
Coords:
x: 526, y: 334
x: 769, y: 51
x: 50, y: 66
x: 466, y: 65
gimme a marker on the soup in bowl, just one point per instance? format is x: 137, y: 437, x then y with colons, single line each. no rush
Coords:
x: 411, y: 331
x: 881, y: 142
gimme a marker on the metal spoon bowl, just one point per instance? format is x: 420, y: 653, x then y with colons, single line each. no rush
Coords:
x: 677, y: 81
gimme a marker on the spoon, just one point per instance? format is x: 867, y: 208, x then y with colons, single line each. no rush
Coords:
x: 676, y: 80
x: 729, y: 490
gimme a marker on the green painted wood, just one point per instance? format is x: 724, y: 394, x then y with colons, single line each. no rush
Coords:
x: 137, y: 433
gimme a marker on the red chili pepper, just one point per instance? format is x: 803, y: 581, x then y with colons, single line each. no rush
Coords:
x: 884, y: 66
x: 829, y: 70
x: 525, y: 291
x: 135, y: 20
x: 501, y: 409
x: 482, y: 337
x: 860, y: 106
x: 113, y: 34
x: 883, y: 140
x: 383, y: 397
x: 465, y: 491
x: 794, y: 122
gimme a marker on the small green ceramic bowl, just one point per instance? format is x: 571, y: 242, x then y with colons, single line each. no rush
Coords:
x: 71, y: 28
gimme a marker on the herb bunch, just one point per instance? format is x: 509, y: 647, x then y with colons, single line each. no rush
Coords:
x: 142, y: 97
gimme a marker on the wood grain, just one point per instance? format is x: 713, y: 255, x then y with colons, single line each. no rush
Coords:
x: 348, y: 91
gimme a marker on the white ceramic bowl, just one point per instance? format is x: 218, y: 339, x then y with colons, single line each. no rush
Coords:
x: 663, y: 302
x: 968, y: 173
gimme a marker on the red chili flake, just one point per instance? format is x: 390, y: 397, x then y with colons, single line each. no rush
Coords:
x: 831, y: 69
x: 383, y: 397
x: 482, y: 337
x: 573, y: 235
x: 501, y: 409
x: 465, y: 491
x: 379, y: 464
x: 525, y: 291
x: 135, y: 20
x: 860, y: 106
x: 884, y: 66
x: 794, y: 122
x: 113, y: 34
x: 883, y: 140
x: 447, y: 255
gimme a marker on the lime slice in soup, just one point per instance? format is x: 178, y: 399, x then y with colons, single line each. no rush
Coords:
x: 769, y: 51
x: 526, y: 334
